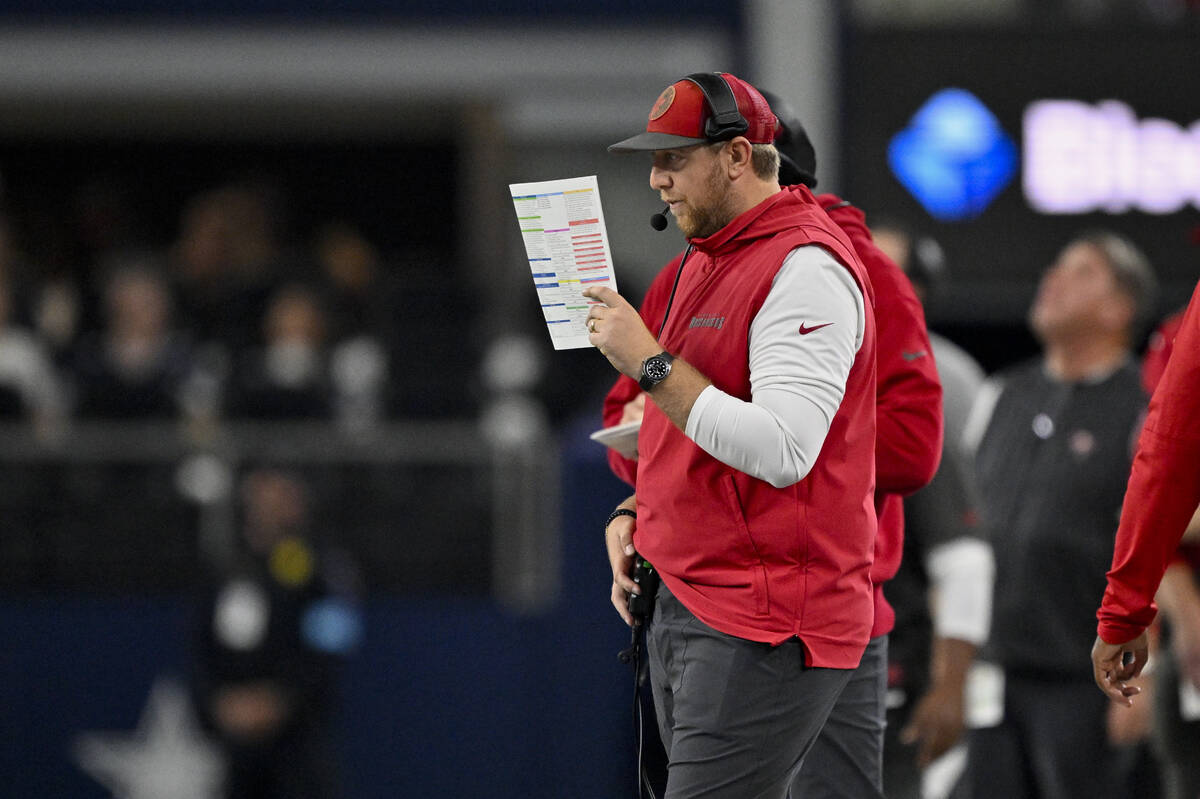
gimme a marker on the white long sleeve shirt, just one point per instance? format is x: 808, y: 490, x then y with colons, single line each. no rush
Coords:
x: 803, y: 341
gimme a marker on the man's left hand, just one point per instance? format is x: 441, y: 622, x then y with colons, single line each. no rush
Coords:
x: 1112, y: 672
x: 617, y: 330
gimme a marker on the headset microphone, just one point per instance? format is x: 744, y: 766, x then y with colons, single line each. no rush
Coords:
x: 659, y: 221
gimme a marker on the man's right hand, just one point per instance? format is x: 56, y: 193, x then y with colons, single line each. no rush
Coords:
x: 618, y: 538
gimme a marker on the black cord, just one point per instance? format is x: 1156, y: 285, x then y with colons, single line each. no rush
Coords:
x: 641, y: 607
x: 675, y: 285
x: 634, y: 655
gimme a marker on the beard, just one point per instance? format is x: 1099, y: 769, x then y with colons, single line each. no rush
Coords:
x: 715, y: 212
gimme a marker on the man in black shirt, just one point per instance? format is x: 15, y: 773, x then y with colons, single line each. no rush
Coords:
x: 275, y: 624
x: 1051, y: 466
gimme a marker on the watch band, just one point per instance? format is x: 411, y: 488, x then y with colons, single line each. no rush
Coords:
x: 616, y: 513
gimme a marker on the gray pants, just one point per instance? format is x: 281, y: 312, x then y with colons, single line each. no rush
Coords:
x: 736, y: 716
x: 846, y: 762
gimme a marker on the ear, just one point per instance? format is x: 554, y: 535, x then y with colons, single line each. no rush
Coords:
x: 739, y: 151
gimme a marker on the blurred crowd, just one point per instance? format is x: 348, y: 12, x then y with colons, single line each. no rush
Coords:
x: 230, y: 320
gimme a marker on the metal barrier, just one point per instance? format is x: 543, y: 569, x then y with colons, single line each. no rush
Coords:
x: 459, y: 507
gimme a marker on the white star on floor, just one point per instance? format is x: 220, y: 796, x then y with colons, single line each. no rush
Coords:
x: 166, y: 757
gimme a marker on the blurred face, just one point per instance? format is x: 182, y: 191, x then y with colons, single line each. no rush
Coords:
x: 348, y: 258
x: 1079, y: 296
x: 693, y: 181
x: 294, y: 319
x: 138, y: 306
x: 203, y: 245
x: 275, y: 507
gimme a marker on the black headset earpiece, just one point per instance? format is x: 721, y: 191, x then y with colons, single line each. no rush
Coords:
x: 726, y: 120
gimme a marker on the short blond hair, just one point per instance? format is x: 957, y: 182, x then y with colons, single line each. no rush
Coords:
x: 765, y: 160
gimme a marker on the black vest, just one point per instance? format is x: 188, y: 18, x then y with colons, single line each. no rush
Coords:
x: 1052, y: 469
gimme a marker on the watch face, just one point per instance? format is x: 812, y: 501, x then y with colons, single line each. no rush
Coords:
x: 657, y: 368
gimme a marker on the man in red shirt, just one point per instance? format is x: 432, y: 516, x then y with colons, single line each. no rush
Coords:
x: 847, y: 757
x: 1162, y: 496
x: 755, y: 480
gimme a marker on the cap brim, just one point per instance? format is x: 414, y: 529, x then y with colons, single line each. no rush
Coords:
x: 653, y: 141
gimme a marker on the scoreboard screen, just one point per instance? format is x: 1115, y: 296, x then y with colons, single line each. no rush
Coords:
x: 1003, y: 144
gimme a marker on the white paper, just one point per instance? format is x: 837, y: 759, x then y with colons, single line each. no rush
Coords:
x: 621, y: 437
x: 567, y: 245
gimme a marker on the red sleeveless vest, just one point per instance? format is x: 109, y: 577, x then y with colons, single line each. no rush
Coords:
x: 748, y: 559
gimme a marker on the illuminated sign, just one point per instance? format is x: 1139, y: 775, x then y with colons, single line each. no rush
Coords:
x: 953, y: 157
x: 1081, y: 158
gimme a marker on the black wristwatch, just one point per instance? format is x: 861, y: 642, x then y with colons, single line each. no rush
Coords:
x: 655, y: 370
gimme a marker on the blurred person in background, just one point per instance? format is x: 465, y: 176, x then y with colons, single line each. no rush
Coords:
x: 137, y: 366
x: 943, y: 591
x: 287, y: 376
x: 1051, y: 463
x: 274, y: 625
x: 378, y: 308
x: 30, y: 388
x: 48, y: 306
x: 298, y: 373
x: 924, y: 262
x: 360, y: 291
x: 362, y: 296
x: 226, y: 261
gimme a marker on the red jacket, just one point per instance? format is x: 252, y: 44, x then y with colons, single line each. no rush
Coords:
x: 751, y: 560
x: 1163, y: 490
x: 908, y: 441
x: 1154, y: 363
x: 908, y: 432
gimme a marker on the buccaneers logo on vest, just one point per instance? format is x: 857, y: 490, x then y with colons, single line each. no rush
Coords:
x: 708, y: 320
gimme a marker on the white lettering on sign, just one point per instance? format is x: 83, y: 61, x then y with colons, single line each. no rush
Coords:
x: 1081, y: 158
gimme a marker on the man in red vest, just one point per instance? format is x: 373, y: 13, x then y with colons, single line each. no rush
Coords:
x: 755, y: 485
x: 846, y: 759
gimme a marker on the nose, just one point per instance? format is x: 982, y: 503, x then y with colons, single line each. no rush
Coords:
x: 658, y: 178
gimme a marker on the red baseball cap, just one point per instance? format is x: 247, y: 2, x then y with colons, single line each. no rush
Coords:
x: 682, y: 117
